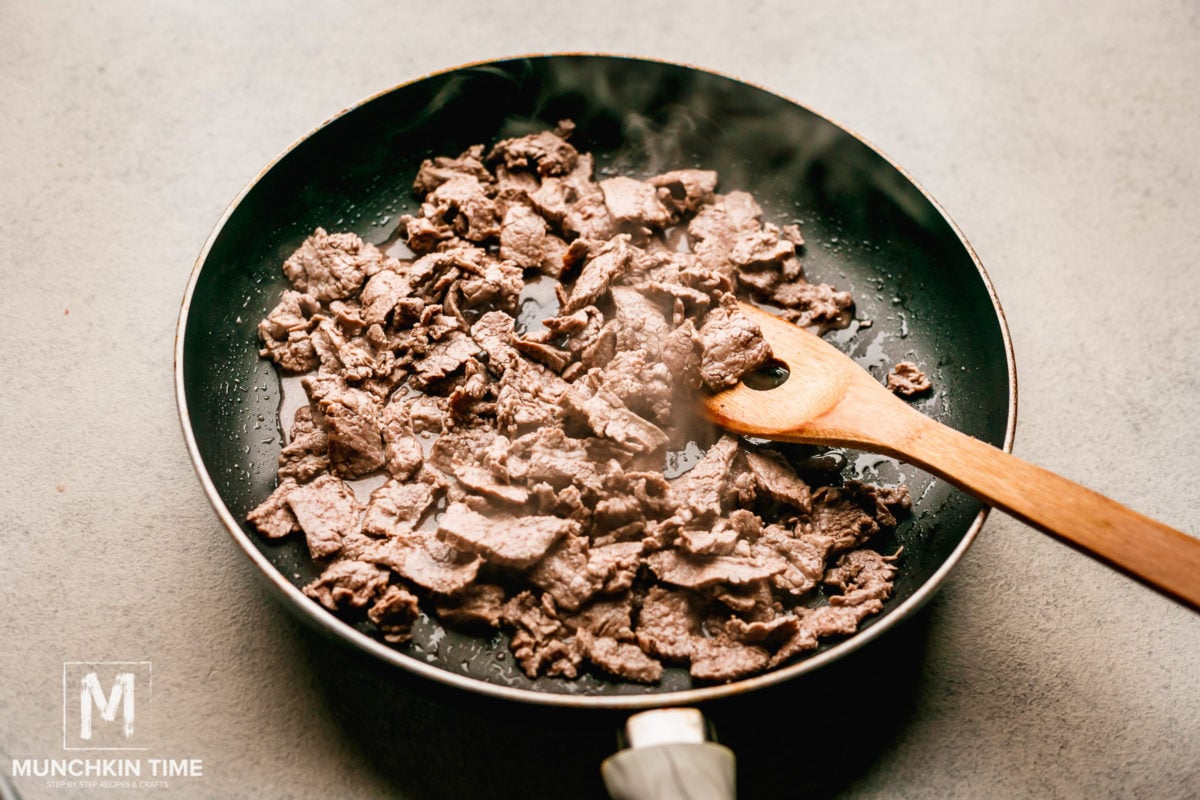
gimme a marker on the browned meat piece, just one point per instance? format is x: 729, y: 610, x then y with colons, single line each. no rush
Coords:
x: 608, y: 418
x: 494, y: 333
x: 882, y: 502
x: 762, y: 250
x: 526, y: 241
x: 351, y: 420
x: 332, y: 266
x: 805, y: 553
x: 306, y: 454
x: 615, y: 565
x: 553, y: 357
x: 434, y: 172
x: 718, y: 226
x: 669, y: 623
x: 731, y: 345
x: 285, y: 332
x: 528, y: 398
x: 546, y: 153
x: 574, y: 203
x: 634, y: 202
x: 622, y: 659
x: 838, y: 516
x: 498, y: 284
x: 273, y: 517
x: 906, y: 379
x: 698, y: 572
x: 604, y: 266
x: 771, y: 632
x: 718, y: 538
x: 428, y: 561
x: 723, y: 659
x: 540, y: 642
x: 396, y: 509
x: 483, y: 482
x: 478, y: 605
x: 394, y: 614
x: 644, y: 387
x: 699, y: 490
x: 640, y: 322
x: 463, y: 202
x: 864, y: 578
x: 775, y: 479
x: 348, y: 584
x: 681, y: 351
x: 382, y: 294
x: 444, y: 358
x: 509, y: 541
x: 808, y: 304
x: 326, y: 511
x: 402, y: 450
x: 563, y: 574
x: 684, y: 191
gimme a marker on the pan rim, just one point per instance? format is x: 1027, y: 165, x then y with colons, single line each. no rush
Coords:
x: 330, y: 624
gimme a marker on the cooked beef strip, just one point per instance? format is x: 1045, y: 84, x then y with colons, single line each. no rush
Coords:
x: 326, y: 511
x: 347, y: 584
x: 724, y: 659
x: 545, y: 444
x: 684, y: 191
x: 428, y: 562
x: 436, y: 171
x: 545, y: 152
x: 696, y: 572
x: 906, y: 379
x: 351, y: 420
x: 508, y: 541
x: 669, y: 623
x: 623, y: 659
x: 634, y: 202
x: 285, y: 332
x: 394, y: 613
x: 606, y: 264
x: 332, y: 266
x: 775, y: 479
x: 478, y: 605
x: 273, y: 517
x: 732, y: 345
x: 463, y: 201
x: 540, y: 642
x: 395, y: 509
x: 863, y: 576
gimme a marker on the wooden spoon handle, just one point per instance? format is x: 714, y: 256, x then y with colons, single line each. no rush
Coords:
x: 1161, y: 557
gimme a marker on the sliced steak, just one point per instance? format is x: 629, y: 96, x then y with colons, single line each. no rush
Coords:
x: 396, y: 509
x: 731, y: 345
x: 332, y: 266
x: 326, y: 511
x: 509, y: 541
x: 348, y: 584
x: 907, y: 380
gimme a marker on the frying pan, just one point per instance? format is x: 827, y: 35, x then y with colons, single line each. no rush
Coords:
x: 870, y: 230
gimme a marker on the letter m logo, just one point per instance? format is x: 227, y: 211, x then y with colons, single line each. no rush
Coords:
x: 107, y: 710
x: 90, y: 694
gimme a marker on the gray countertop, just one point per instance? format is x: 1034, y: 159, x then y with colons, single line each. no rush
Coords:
x: 1060, y: 136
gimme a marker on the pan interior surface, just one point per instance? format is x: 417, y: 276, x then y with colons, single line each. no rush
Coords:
x: 869, y: 230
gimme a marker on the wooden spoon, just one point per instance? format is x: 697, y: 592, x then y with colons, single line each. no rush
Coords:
x: 828, y: 399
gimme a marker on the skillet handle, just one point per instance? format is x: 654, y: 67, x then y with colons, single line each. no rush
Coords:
x: 669, y: 758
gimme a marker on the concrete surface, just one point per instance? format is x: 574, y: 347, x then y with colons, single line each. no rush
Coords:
x: 1062, y: 138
